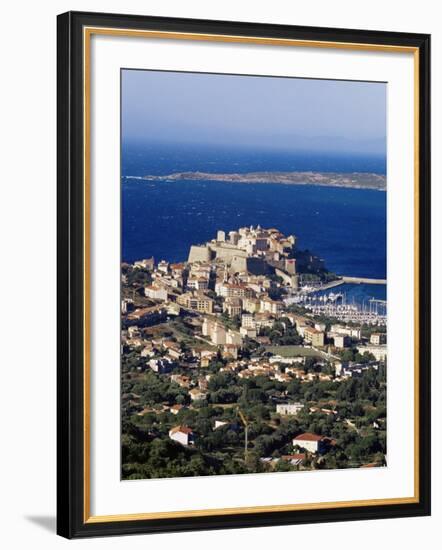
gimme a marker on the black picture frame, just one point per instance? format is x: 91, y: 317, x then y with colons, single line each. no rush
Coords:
x: 71, y: 520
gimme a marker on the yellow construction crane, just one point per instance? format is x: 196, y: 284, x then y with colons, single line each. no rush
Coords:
x: 246, y: 430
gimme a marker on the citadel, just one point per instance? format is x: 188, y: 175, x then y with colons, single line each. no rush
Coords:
x: 252, y: 250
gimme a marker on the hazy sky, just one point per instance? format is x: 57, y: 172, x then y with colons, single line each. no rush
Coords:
x: 281, y: 113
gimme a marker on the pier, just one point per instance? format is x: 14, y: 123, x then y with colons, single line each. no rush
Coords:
x: 363, y: 281
x: 345, y: 280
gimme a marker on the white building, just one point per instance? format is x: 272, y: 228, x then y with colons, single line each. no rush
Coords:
x: 355, y: 369
x: 182, y: 434
x: 231, y: 350
x: 270, y: 306
x: 263, y: 320
x: 161, y: 366
x: 163, y: 266
x: 378, y: 338
x: 197, y: 395
x: 233, y: 337
x: 173, y: 308
x: 347, y: 331
x: 339, y: 368
x: 232, y: 306
x: 147, y: 264
x: 340, y: 340
x: 310, y: 442
x: 207, y: 326
x: 229, y: 290
x: 197, y: 283
x: 314, y: 337
x: 287, y: 409
x: 379, y: 352
x: 252, y: 305
x: 249, y: 332
x: 286, y: 360
x: 155, y: 293
x: 248, y: 321
x: 218, y: 334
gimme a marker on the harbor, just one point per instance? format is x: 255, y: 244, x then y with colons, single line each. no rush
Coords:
x: 355, y: 302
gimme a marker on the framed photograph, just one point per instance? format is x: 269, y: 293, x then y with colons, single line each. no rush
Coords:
x: 243, y: 274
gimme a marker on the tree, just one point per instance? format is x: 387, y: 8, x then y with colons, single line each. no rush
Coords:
x: 294, y: 389
x: 309, y: 364
x: 347, y: 355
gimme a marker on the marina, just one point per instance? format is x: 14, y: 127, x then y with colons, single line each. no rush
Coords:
x: 339, y: 305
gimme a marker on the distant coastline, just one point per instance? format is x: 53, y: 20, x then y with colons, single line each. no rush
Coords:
x: 355, y: 180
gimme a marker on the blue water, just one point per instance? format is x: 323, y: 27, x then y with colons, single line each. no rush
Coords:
x: 141, y: 159
x: 346, y: 227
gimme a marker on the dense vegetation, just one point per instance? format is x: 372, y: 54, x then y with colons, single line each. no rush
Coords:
x: 357, y: 424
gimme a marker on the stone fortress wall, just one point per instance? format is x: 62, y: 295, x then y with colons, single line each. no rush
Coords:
x: 245, y: 251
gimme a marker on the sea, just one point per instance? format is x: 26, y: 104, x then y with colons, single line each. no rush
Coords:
x: 345, y: 227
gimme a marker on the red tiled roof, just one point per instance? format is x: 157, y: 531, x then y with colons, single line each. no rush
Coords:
x: 297, y: 456
x: 182, y: 429
x: 308, y: 437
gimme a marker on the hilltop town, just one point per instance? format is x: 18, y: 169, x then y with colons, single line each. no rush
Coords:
x: 222, y: 373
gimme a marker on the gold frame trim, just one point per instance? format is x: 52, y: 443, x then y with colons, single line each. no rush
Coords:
x: 87, y: 33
